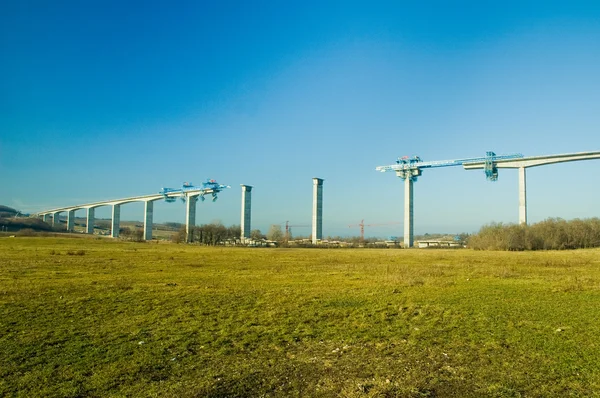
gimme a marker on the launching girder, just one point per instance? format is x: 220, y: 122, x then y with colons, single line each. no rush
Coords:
x: 409, y: 168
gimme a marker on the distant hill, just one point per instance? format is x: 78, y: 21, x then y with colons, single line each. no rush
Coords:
x: 18, y: 223
x: 13, y: 220
x: 6, y: 211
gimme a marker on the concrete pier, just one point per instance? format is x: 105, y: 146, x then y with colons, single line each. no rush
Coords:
x: 246, y: 211
x: 148, y: 216
x: 317, y: 215
x: 115, y: 224
x: 56, y: 219
x: 89, y: 227
x: 409, y: 177
x: 70, y: 220
x: 408, y: 212
x: 522, y: 196
x: 46, y: 218
x: 190, y: 217
x: 532, y: 161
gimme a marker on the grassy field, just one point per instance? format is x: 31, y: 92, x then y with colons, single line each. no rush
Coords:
x: 94, y: 317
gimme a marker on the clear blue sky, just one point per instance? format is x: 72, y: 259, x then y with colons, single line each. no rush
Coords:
x: 110, y: 99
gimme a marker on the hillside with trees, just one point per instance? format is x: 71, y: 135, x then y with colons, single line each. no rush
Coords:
x: 12, y: 220
x: 6, y: 211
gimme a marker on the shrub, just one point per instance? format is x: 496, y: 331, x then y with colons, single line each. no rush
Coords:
x: 550, y: 234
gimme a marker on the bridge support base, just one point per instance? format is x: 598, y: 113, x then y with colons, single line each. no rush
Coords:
x: 70, y: 220
x: 317, y: 217
x: 148, y: 217
x: 246, y: 211
x: 190, y: 217
x: 89, y: 228
x: 116, y: 221
x: 408, y: 212
x: 56, y: 219
x: 522, y: 196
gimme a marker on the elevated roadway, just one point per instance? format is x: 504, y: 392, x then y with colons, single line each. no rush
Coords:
x: 523, y: 163
x: 191, y: 197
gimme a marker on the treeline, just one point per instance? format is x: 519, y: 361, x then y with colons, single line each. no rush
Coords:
x: 550, y: 234
x: 209, y: 234
x: 17, y: 224
x: 6, y: 212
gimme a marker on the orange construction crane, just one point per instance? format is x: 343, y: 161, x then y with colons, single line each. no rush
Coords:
x: 362, y: 226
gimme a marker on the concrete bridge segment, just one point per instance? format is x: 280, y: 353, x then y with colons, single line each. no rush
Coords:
x: 191, y: 196
x: 533, y: 161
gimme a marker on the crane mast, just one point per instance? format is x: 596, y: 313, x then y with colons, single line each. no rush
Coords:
x: 288, y: 229
x: 362, y: 226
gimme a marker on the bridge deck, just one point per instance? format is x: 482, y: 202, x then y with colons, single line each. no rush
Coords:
x: 143, y: 198
x: 533, y: 161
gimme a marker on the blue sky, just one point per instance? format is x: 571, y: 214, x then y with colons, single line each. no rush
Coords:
x: 105, y: 99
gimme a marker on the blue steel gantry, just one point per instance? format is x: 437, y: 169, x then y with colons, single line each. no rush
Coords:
x: 412, y: 166
x: 210, y: 186
x: 409, y: 168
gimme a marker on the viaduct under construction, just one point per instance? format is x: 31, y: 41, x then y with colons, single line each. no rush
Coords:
x: 190, y: 197
x: 408, y: 169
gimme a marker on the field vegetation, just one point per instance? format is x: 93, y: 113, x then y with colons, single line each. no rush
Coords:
x: 95, y: 317
x: 550, y: 234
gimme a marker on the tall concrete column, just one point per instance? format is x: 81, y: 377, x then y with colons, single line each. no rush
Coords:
x: 190, y: 216
x: 56, y: 219
x: 317, y: 216
x: 148, y: 215
x: 46, y: 218
x: 116, y: 221
x: 89, y: 228
x: 522, y: 196
x: 246, y: 211
x: 408, y: 212
x: 70, y: 220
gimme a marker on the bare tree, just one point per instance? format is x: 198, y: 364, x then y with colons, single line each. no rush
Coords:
x: 255, y: 234
x: 550, y: 234
x: 275, y: 233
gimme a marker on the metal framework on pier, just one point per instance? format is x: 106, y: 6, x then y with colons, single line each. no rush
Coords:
x: 409, y: 168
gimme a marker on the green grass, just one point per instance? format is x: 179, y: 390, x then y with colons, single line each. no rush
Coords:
x: 93, y: 317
